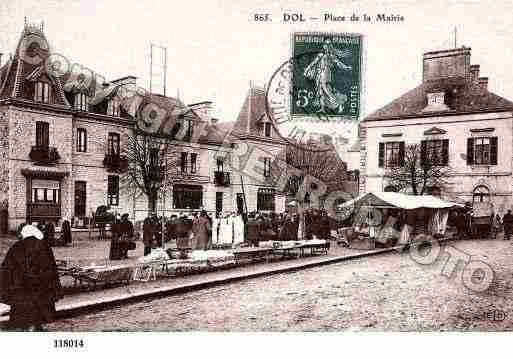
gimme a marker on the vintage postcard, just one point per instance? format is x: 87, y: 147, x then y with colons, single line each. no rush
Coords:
x: 255, y: 167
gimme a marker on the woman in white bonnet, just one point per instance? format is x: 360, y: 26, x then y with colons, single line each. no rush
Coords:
x: 29, y: 281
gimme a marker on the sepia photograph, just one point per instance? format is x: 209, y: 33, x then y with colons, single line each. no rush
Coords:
x: 312, y: 167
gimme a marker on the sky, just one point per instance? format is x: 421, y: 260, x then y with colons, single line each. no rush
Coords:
x: 215, y: 48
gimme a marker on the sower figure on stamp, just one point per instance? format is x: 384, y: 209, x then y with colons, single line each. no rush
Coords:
x: 29, y: 281
x: 320, y: 70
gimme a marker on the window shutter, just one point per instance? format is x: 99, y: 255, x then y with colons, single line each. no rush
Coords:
x: 401, y: 154
x: 381, y: 161
x: 470, y: 151
x: 422, y: 152
x: 493, y: 150
x: 445, y: 152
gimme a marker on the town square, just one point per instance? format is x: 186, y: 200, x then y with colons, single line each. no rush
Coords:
x: 342, y: 173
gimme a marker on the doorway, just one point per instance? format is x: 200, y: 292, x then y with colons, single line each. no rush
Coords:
x: 219, y: 202
x: 240, y: 203
x: 80, y: 199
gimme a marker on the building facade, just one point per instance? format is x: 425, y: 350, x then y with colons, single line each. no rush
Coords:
x: 452, y: 115
x: 61, y: 145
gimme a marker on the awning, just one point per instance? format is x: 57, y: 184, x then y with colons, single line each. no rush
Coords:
x: 46, y: 174
x: 399, y: 200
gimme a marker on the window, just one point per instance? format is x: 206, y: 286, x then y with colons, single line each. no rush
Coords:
x: 220, y: 165
x: 187, y: 196
x: 81, y: 140
x: 113, y: 107
x: 81, y: 102
x: 113, y: 144
x: 189, y: 129
x: 45, y: 191
x: 267, y: 167
x: 194, y: 157
x: 183, y: 162
x: 391, y: 154
x: 265, y: 199
x: 45, y: 195
x: 42, y: 134
x: 435, y: 151
x: 481, y: 194
x: 113, y: 190
x: 434, y: 191
x: 42, y: 92
x: 390, y: 188
x: 267, y: 129
x: 482, y: 151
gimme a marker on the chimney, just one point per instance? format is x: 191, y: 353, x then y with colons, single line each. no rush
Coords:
x: 483, y: 83
x: 474, y: 73
x: 446, y: 63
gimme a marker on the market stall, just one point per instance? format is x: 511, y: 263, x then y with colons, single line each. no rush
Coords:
x: 390, y: 218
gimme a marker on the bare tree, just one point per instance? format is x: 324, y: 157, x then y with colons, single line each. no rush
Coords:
x: 418, y: 171
x: 313, y: 160
x: 150, y: 166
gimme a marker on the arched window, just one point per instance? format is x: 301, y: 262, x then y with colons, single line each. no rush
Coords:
x: 481, y: 194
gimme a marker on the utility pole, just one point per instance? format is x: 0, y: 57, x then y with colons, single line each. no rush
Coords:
x: 158, y: 67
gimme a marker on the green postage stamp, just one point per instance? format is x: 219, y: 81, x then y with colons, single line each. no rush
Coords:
x: 326, y: 78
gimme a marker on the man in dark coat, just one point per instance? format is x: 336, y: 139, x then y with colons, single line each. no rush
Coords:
x: 182, y: 229
x: 254, y: 230
x: 171, y: 228
x: 148, y: 233
x: 66, y: 233
x: 507, y: 221
x: 29, y: 281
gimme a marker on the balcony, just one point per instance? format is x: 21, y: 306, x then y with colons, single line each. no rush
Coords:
x: 43, y: 210
x: 44, y: 155
x: 222, y: 178
x: 115, y: 163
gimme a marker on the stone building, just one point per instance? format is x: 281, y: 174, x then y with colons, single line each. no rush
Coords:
x: 61, y: 136
x: 455, y: 118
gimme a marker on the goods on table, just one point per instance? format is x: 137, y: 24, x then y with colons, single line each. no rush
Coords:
x: 155, y: 255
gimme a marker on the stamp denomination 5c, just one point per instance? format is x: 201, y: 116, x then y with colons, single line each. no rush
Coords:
x: 326, y: 75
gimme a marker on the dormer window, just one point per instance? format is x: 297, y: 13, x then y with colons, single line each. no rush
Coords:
x: 113, y: 107
x: 267, y: 129
x: 435, y: 102
x: 42, y: 92
x: 81, y: 102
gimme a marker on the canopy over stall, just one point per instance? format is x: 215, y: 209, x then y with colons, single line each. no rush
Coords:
x: 437, y: 210
x: 399, y: 200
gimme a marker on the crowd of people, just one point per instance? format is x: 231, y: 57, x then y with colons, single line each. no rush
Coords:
x: 200, y: 231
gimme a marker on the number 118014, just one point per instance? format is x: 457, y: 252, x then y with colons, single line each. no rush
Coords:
x: 68, y: 343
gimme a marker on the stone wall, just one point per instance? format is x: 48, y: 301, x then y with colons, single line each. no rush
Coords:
x: 22, y: 136
x: 464, y: 178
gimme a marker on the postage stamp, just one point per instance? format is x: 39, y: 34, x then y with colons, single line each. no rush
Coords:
x: 320, y: 83
x: 326, y: 78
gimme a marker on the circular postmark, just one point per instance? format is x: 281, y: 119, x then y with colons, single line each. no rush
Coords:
x: 313, y: 98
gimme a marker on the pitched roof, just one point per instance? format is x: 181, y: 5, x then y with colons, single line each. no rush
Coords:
x: 18, y: 75
x: 252, y: 111
x: 461, y: 96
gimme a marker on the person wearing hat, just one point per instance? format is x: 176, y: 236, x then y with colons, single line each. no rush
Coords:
x: 29, y: 281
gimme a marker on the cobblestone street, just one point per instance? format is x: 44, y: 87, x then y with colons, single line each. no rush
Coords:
x: 384, y: 292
